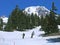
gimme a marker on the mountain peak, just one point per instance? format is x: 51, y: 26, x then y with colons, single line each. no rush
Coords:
x: 39, y: 10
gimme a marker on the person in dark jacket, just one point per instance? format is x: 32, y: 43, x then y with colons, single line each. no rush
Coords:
x: 23, y: 35
x: 32, y: 34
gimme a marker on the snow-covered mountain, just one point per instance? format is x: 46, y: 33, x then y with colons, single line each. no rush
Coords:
x: 39, y: 10
x: 4, y: 18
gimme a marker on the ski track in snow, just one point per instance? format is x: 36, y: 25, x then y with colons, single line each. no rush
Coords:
x: 15, y: 38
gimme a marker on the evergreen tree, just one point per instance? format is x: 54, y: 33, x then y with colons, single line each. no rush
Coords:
x: 36, y: 20
x: 58, y: 20
x: 28, y: 22
x: 32, y: 20
x: 1, y: 24
x: 12, y: 21
x: 53, y: 23
x: 46, y: 25
x: 49, y: 24
x: 9, y: 27
x: 21, y: 21
x: 42, y: 22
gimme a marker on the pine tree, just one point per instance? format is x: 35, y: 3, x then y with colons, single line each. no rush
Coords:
x: 49, y: 24
x: 32, y: 20
x: 36, y: 20
x: 53, y: 23
x: 21, y: 22
x: 27, y: 21
x: 1, y: 24
x: 8, y: 27
x: 42, y: 22
x: 58, y: 20
x: 12, y: 21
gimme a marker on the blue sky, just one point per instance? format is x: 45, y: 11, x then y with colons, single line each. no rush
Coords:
x: 6, y: 6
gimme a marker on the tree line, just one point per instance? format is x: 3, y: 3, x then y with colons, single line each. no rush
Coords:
x: 21, y: 21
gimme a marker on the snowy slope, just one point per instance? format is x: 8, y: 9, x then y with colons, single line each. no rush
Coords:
x: 15, y: 38
x: 39, y: 10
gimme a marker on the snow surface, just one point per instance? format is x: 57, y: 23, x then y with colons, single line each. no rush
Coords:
x: 15, y: 38
x: 39, y: 10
